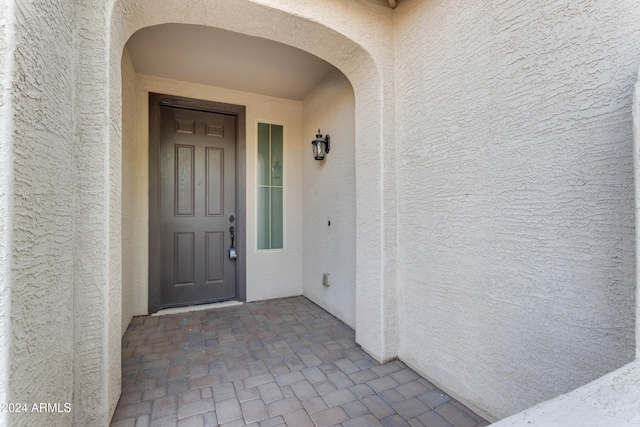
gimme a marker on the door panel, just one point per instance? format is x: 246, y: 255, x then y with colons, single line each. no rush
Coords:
x: 197, y: 197
x: 215, y: 181
x: 215, y: 267
x: 184, y: 256
x: 184, y: 188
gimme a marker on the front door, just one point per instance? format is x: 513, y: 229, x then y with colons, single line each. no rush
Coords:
x: 197, y: 178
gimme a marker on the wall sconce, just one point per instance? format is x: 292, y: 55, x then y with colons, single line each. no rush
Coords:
x: 320, y: 146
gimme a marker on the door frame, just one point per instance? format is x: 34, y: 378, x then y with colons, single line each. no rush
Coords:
x: 156, y: 101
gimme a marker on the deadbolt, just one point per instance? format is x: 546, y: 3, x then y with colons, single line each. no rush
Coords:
x: 232, y: 218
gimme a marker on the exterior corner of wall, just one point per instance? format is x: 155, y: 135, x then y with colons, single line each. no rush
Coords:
x: 7, y: 49
x: 636, y: 180
x: 36, y: 208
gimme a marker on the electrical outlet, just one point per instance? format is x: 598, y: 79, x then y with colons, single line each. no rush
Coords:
x: 326, y: 280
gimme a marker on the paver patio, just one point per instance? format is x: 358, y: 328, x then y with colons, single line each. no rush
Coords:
x: 283, y: 362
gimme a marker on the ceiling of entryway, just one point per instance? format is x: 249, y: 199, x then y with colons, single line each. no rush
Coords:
x: 216, y: 57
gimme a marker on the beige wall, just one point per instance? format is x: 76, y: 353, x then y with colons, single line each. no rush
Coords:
x: 6, y: 129
x: 611, y: 400
x: 329, y: 195
x: 135, y: 200
x: 516, y: 197
x: 37, y: 213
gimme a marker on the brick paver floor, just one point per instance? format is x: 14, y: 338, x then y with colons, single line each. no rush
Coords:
x: 283, y: 362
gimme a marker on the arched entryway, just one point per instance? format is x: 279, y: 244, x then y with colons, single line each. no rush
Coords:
x: 334, y: 33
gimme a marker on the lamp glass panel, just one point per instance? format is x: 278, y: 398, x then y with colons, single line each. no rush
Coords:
x: 318, y: 150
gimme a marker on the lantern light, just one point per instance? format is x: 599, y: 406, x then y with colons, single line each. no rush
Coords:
x: 320, y: 146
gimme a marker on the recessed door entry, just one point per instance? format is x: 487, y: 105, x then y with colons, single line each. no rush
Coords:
x: 197, y: 179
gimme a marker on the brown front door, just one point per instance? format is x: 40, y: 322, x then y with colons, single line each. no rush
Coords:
x: 197, y: 178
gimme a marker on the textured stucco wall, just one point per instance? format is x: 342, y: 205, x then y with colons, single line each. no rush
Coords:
x: 36, y: 207
x: 610, y: 401
x: 636, y: 168
x: 329, y: 194
x: 270, y: 274
x: 7, y: 19
x: 516, y: 200
x: 97, y: 267
x: 135, y: 200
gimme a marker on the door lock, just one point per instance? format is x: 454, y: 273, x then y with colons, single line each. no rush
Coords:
x: 232, y: 249
x: 232, y: 218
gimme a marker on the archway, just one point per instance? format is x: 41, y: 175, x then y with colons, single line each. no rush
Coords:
x: 362, y: 53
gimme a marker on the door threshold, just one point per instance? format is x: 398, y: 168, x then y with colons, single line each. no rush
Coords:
x: 190, y: 308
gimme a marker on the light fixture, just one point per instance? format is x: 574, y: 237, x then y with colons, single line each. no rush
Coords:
x: 320, y: 146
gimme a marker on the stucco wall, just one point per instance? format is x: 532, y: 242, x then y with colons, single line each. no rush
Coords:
x: 329, y: 195
x: 7, y: 18
x: 36, y: 207
x: 97, y: 228
x: 270, y: 274
x: 609, y: 401
x: 515, y: 189
x: 636, y: 168
x: 135, y: 200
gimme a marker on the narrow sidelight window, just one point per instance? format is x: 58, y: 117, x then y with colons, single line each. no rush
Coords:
x: 270, y: 186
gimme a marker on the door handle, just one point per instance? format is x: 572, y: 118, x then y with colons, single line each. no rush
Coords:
x: 232, y: 249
